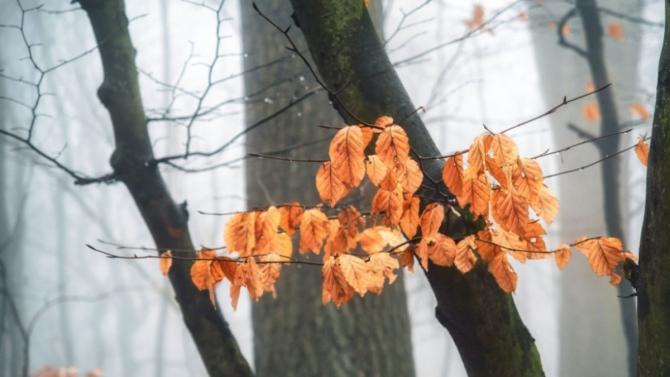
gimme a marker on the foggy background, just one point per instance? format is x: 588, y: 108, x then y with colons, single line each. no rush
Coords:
x: 85, y: 311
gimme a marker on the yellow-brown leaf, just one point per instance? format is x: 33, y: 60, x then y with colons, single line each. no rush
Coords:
x: 642, y: 151
x: 313, y: 230
x: 603, y: 253
x: 376, y: 169
x: 409, y: 221
x: 165, y: 262
x: 390, y: 204
x: 503, y: 272
x: 431, y: 220
x: 335, y: 287
x: 476, y: 192
x: 393, y: 146
x: 442, y: 251
x: 465, y: 259
x: 355, y: 272
x: 240, y: 234
x: 290, y: 217
x: 545, y: 205
x: 331, y: 189
x: 562, y: 255
x: 505, y: 151
x: 346, y: 153
x: 452, y: 174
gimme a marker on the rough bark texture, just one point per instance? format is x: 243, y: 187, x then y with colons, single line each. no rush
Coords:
x: 654, y: 292
x: 483, y: 321
x: 366, y: 337
x: 167, y: 223
x: 581, y: 291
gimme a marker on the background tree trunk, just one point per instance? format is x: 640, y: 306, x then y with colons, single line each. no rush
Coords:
x: 167, y: 223
x: 483, y: 321
x: 654, y: 290
x: 366, y: 337
x: 581, y: 291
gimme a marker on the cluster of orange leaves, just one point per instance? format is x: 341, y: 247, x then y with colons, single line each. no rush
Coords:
x: 361, y: 252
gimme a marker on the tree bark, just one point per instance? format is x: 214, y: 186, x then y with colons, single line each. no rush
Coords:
x: 366, y: 337
x: 654, y: 290
x: 483, y: 321
x: 167, y: 222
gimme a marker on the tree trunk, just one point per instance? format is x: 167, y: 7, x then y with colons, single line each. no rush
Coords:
x: 167, y: 223
x: 654, y: 290
x: 581, y: 291
x: 483, y: 321
x: 368, y: 336
x: 610, y: 170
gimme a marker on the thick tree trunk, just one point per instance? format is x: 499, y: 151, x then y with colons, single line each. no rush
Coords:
x: 367, y: 337
x: 483, y: 321
x: 654, y: 290
x: 581, y: 291
x: 167, y: 223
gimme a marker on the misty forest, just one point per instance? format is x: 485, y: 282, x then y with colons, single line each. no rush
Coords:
x: 334, y: 188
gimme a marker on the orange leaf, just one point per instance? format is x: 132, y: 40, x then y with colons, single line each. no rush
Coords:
x: 282, y: 245
x: 477, y: 153
x: 443, y: 251
x: 409, y: 221
x: 510, y: 210
x: 390, y: 204
x: 393, y: 146
x: 452, y: 174
x: 406, y: 258
x: 383, y: 122
x: 240, y: 234
x: 642, y: 151
x: 505, y: 150
x: 267, y: 223
x: 313, y: 230
x: 591, y: 112
x: 465, y: 259
x: 603, y: 253
x: 376, y: 169
x: 477, y: 19
x: 411, y: 177
x: 347, y: 154
x: 485, y: 247
x: 355, y: 272
x: 421, y: 251
x: 367, y: 133
x: 589, y: 87
x: 331, y: 188
x: 381, y: 266
x: 528, y: 179
x: 289, y: 215
x: 503, y: 175
x: 639, y: 110
x: 476, y: 192
x: 562, y: 255
x: 615, y: 30
x: 511, y: 243
x: 335, y: 286
x: 165, y: 262
x: 503, y: 272
x: 371, y: 240
x: 545, y: 205
x: 431, y: 220
x: 336, y: 243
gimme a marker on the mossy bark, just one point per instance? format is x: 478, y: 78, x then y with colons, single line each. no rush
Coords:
x: 167, y: 222
x: 351, y: 60
x: 654, y: 285
x: 369, y: 336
